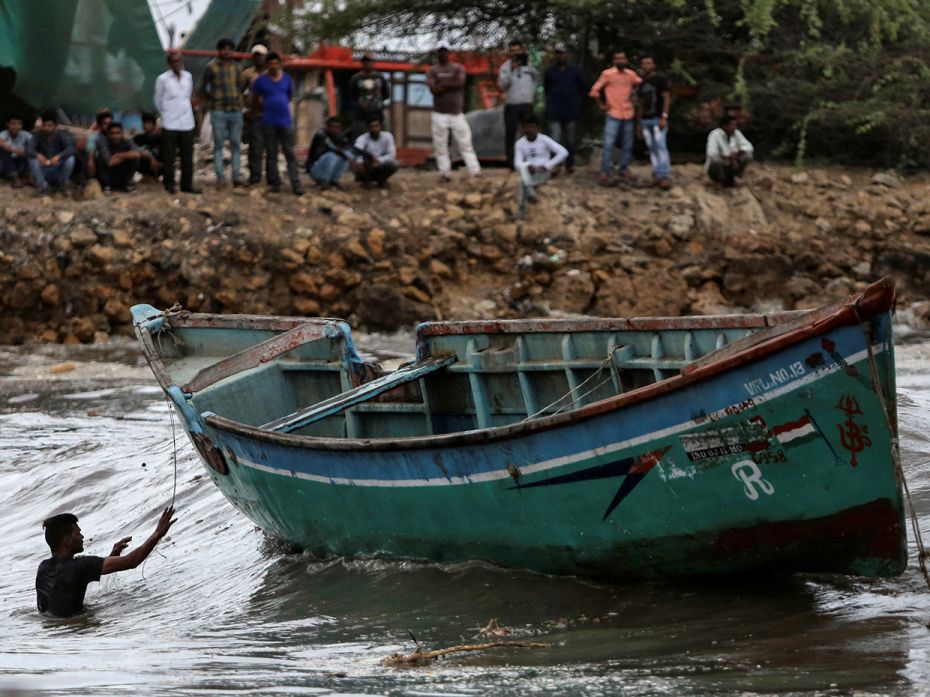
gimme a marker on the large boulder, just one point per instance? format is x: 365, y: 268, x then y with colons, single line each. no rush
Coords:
x: 384, y: 307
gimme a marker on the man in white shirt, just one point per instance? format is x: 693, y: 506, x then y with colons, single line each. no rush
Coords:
x: 535, y: 158
x: 174, y: 89
x: 377, y: 155
x: 728, y: 153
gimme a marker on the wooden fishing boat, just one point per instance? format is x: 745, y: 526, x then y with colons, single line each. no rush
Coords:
x: 612, y: 448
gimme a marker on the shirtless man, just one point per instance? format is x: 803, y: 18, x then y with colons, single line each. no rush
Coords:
x: 61, y: 580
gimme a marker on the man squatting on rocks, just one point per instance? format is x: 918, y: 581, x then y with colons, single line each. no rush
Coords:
x: 61, y: 580
x: 728, y: 153
x: 14, y: 146
x: 535, y: 158
x: 119, y: 158
x: 329, y: 155
x: 51, y: 155
x: 377, y: 155
x: 446, y: 80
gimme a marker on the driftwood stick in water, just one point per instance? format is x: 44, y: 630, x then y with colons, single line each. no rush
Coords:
x: 420, y: 656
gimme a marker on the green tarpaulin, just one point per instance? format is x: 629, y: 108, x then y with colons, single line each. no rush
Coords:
x: 81, y: 54
x: 224, y: 19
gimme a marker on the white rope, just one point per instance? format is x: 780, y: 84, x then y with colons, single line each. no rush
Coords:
x: 895, y: 452
x: 575, y: 389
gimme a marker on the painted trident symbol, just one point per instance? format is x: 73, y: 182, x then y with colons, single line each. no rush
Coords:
x: 853, y: 437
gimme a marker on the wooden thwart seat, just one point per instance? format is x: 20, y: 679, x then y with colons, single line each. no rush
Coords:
x: 350, y: 398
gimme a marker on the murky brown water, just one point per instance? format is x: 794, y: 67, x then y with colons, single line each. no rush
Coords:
x: 220, y: 611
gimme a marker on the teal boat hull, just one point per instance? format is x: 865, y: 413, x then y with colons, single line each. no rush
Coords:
x: 773, y: 454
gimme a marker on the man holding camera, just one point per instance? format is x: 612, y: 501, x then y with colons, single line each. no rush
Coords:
x: 517, y: 80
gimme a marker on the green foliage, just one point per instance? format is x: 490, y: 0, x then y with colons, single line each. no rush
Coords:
x: 847, y: 80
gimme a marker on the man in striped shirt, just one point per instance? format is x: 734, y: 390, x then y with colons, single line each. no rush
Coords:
x: 219, y: 88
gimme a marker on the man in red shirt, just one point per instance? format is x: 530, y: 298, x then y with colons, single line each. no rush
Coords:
x: 613, y: 91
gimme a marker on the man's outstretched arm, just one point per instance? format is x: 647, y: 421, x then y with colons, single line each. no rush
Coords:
x: 116, y: 563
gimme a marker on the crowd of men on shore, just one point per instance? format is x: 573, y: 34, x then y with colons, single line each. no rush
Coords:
x: 254, y: 105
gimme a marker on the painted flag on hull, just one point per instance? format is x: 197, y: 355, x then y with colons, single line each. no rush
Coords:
x: 796, y: 432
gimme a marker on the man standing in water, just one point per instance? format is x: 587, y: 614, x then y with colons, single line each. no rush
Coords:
x: 61, y: 580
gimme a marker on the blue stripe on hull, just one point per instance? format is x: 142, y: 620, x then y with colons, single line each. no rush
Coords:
x: 603, y: 436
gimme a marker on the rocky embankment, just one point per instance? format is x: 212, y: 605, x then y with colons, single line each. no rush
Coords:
x: 384, y: 259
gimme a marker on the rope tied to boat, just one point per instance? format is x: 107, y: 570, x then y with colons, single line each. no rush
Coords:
x: 895, y: 448
x: 572, y: 391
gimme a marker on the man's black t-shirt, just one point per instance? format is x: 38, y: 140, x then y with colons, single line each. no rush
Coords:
x: 148, y: 143
x: 324, y: 142
x: 62, y: 582
x: 651, y: 95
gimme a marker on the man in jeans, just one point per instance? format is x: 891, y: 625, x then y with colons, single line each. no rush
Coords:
x: 565, y: 88
x: 517, y: 80
x: 446, y: 80
x: 329, y: 155
x: 612, y: 91
x: 14, y: 144
x: 219, y: 89
x: 173, y: 91
x: 655, y: 98
x: 51, y: 155
x: 274, y: 91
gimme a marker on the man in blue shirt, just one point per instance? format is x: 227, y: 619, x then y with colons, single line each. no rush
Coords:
x: 565, y: 88
x: 274, y: 90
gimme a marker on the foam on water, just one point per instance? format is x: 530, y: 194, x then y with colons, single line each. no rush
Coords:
x: 220, y: 610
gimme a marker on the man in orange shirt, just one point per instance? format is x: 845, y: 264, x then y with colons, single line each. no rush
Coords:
x: 612, y: 91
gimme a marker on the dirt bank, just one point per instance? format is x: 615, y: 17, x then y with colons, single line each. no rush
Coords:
x: 70, y: 270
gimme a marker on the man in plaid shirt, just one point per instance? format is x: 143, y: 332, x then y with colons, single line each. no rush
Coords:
x: 220, y: 91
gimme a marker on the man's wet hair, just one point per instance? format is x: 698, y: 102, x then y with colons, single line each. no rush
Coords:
x: 727, y: 119
x: 530, y: 119
x: 148, y: 117
x: 272, y: 56
x: 224, y: 43
x: 375, y: 119
x: 114, y: 124
x: 57, y: 528
x: 334, y: 119
x: 50, y: 115
x: 14, y: 117
x: 515, y: 42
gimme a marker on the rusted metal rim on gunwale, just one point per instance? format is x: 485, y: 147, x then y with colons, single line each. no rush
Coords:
x: 877, y: 298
